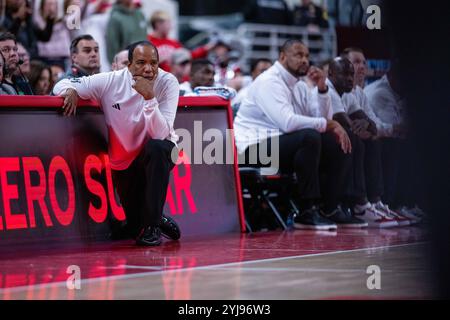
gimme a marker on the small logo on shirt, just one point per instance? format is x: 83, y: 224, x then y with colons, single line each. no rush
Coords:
x: 116, y: 106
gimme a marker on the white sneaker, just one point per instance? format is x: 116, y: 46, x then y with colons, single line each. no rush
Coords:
x: 401, y: 220
x: 374, y: 217
x: 413, y: 215
x: 419, y: 212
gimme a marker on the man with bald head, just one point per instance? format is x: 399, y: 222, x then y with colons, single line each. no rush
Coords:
x: 120, y: 60
x: 139, y: 104
x: 272, y: 114
x: 379, y: 181
x: 361, y: 130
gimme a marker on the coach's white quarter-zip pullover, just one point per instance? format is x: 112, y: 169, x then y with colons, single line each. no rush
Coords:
x: 131, y: 120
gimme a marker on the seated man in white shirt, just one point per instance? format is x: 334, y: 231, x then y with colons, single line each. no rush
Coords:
x: 268, y: 117
x: 361, y: 130
x: 139, y: 104
x: 373, y: 163
x: 385, y: 99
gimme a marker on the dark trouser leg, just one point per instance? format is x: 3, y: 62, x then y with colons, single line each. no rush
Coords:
x: 391, y: 151
x: 299, y: 152
x: 158, y: 164
x: 143, y: 186
x: 373, y: 170
x: 335, y: 166
x: 130, y: 185
x: 358, y: 182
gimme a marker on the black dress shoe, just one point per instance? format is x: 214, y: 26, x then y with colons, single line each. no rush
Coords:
x: 150, y: 236
x: 169, y: 228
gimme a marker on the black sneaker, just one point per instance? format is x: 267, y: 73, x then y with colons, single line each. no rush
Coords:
x: 169, y: 228
x: 150, y: 236
x: 344, y: 219
x: 313, y: 220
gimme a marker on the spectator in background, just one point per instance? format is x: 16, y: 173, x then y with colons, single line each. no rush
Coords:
x: 225, y: 68
x: 201, y: 82
x: 13, y: 76
x: 85, y: 57
x: 4, y: 87
x: 94, y: 20
x: 180, y: 64
x: 18, y: 20
x: 57, y: 49
x: 126, y: 25
x: 258, y: 66
x: 202, y: 75
x: 310, y: 15
x: 162, y: 24
x: 120, y: 60
x: 267, y: 11
x: 24, y: 56
x: 40, y: 78
x: 57, y: 73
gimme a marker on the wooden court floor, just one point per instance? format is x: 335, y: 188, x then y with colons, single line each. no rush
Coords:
x: 347, y: 264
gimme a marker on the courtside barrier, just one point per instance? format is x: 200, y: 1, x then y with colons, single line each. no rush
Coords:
x: 55, y: 176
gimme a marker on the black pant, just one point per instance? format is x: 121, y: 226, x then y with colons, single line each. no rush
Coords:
x: 142, y: 187
x: 365, y: 179
x: 306, y: 152
x: 373, y: 169
x: 400, y: 173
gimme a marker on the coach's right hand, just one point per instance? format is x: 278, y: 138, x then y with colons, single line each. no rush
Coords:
x: 70, y: 102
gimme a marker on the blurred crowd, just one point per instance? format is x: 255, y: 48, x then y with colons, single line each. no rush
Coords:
x: 43, y: 41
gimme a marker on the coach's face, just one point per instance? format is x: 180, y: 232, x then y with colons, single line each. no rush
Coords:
x: 144, y: 62
x: 296, y: 59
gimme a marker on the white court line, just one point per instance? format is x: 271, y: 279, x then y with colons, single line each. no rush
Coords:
x: 214, y: 266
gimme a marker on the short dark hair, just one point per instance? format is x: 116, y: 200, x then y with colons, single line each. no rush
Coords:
x: 74, y: 44
x: 7, y: 36
x: 134, y: 45
x: 347, y: 51
x: 197, y: 64
x: 255, y: 62
x: 289, y: 43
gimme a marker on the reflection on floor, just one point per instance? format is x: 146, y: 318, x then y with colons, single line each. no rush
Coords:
x: 266, y: 265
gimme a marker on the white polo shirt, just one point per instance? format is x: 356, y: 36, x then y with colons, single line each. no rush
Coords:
x: 342, y: 104
x: 309, y: 102
x: 383, y: 129
x: 385, y: 102
x: 131, y: 120
x: 268, y: 109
